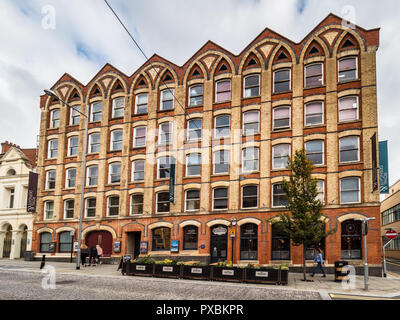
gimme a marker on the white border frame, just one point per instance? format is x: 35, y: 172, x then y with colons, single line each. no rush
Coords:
x: 136, y: 102
x: 290, y: 80
x: 290, y: 155
x: 216, y: 91
x: 213, y: 198
x: 322, y: 75
x: 358, y: 149
x: 185, y: 207
x: 358, y: 108
x: 323, y: 151
x: 259, y: 85
x: 290, y: 117
x: 113, y: 108
x: 258, y: 195
x: 305, y: 114
x: 258, y: 160
x: 162, y: 96
x: 186, y: 164
x: 258, y: 128
x: 357, y: 73
x: 359, y: 190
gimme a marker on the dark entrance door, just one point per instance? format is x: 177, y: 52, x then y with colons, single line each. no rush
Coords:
x: 7, y: 243
x: 219, y: 243
x: 248, y: 241
x: 133, y: 244
x: 102, y: 238
x: 23, y: 244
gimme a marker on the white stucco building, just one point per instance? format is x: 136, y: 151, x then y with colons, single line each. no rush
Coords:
x: 15, y: 222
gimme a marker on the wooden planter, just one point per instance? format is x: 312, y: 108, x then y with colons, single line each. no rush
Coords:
x: 197, y: 273
x: 167, y: 271
x: 262, y: 275
x: 139, y: 269
x: 227, y: 274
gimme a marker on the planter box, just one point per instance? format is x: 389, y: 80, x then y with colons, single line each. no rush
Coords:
x: 193, y: 272
x: 262, y: 275
x: 284, y: 276
x: 138, y: 269
x: 167, y: 271
x: 228, y: 274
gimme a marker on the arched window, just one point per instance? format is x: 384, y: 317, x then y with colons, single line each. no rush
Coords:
x: 248, y: 241
x: 45, y: 239
x: 351, y: 239
x: 161, y: 239
x: 65, y: 242
x: 11, y: 172
x: 190, y: 238
x: 280, y: 245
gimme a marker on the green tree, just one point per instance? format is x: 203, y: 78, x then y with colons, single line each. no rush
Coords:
x: 303, y: 223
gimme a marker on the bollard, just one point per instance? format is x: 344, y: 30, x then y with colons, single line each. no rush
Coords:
x: 43, y: 261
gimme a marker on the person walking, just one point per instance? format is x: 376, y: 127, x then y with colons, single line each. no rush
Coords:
x: 84, y: 254
x: 93, y: 256
x: 99, y: 252
x: 320, y: 261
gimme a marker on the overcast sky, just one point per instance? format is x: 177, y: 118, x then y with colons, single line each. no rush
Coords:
x: 36, y: 51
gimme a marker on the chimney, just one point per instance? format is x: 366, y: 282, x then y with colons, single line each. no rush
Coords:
x: 5, y: 146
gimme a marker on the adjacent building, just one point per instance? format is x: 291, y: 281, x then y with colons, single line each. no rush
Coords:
x: 16, y: 224
x: 225, y: 124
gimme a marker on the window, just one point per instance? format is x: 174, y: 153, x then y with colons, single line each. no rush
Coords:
x: 248, y: 241
x: 282, y: 81
x: 138, y: 170
x: 162, y: 202
x: 250, y: 123
x: 349, y: 149
x: 70, y: 178
x: 165, y: 133
x: 161, y: 239
x: 250, y: 197
x: 193, y: 164
x: 51, y: 179
x: 55, y: 118
x: 48, y: 210
x: 113, y: 205
x: 314, y: 113
x: 220, y: 198
x: 116, y: 140
x: 115, y: 173
x: 196, y: 96
x: 250, y: 159
x: 139, y: 137
x: 251, y: 86
x: 164, y: 167
x: 221, y: 162
x: 96, y: 110
x: 321, y: 189
x: 222, y: 126
x: 314, y: 75
x: 194, y: 129
x: 90, y: 207
x: 53, y: 148
x: 12, y: 196
x: 281, y: 117
x: 192, y: 200
x: 69, y: 209
x: 351, y: 243
x: 73, y: 146
x: 45, y: 239
x: 92, y: 175
x: 281, y: 155
x: 167, y: 99
x: 190, y: 237
x: 141, y: 103
x: 94, y: 142
x: 118, y: 106
x: 65, y: 242
x: 348, y: 69
x: 315, y: 151
x: 223, y: 91
x: 136, y: 203
x: 74, y: 116
x: 279, y: 198
x: 280, y: 245
x: 348, y: 109
x: 350, y: 190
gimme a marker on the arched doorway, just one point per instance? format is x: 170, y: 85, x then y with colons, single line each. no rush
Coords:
x: 102, y: 238
x: 24, y: 238
x: 248, y: 241
x: 351, y: 239
x: 219, y: 243
x: 7, y: 242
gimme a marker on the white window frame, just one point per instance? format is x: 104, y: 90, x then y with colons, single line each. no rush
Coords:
x: 290, y: 80
x: 257, y: 159
x: 65, y: 208
x: 358, y: 149
x: 91, y: 142
x: 358, y: 109
x: 215, y: 162
x: 290, y: 117
x: 273, y: 155
x: 114, y: 109
x: 67, y: 178
x: 92, y: 113
x: 323, y: 150
x: 69, y: 154
x: 134, y: 169
x: 52, y: 119
x: 242, y: 196
x: 74, y: 113
x: 227, y: 198
x: 272, y: 192
x: 46, y: 212
x: 135, y: 136
x: 112, y: 140
x: 305, y: 113
x: 109, y: 206
x: 50, y: 149
x: 345, y: 58
x: 131, y: 204
x: 323, y: 190
x: 359, y: 190
x: 215, y: 126
x: 47, y: 179
x: 186, y: 199
x: 88, y: 176
x: 160, y: 133
x: 157, y: 194
x: 202, y: 95
x: 322, y: 75
x: 162, y: 99
x: 187, y: 166
x: 258, y: 123
x: 158, y: 166
x: 189, y: 130
x: 216, y: 91
x: 244, y: 85
x: 110, y: 170
x: 142, y: 104
x: 87, y: 207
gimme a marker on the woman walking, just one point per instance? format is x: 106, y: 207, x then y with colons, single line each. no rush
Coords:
x: 320, y: 261
x: 99, y: 252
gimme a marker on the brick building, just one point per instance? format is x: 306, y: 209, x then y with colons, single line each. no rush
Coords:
x: 230, y: 123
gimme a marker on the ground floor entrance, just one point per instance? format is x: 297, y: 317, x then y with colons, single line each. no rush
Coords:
x: 102, y: 238
x: 133, y: 243
x: 219, y: 243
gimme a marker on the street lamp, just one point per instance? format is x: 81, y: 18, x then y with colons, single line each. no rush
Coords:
x: 78, y: 253
x: 233, y: 233
x: 365, y: 232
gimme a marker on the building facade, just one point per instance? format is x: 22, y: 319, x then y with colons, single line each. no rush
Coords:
x: 16, y: 224
x: 390, y: 209
x: 229, y: 123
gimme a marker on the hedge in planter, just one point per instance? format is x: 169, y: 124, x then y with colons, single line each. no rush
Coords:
x: 197, y: 271
x: 224, y: 271
x: 256, y: 274
x: 167, y: 269
x: 141, y: 267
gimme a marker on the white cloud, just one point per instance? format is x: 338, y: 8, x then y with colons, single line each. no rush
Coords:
x: 87, y: 36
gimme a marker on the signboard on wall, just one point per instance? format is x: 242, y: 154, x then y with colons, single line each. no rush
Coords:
x: 143, y: 246
x: 174, y: 246
x: 117, y: 246
x: 32, y: 192
x: 383, y: 167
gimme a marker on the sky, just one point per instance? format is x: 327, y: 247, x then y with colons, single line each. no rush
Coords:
x: 41, y: 40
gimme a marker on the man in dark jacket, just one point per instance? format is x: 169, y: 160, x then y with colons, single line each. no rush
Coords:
x: 93, y: 256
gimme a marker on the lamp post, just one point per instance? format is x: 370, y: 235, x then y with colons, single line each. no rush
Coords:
x: 78, y: 253
x: 233, y: 233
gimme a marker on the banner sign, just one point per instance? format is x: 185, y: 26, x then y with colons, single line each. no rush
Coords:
x: 374, y: 164
x: 32, y: 192
x: 172, y: 181
x: 383, y: 167
x: 143, y: 247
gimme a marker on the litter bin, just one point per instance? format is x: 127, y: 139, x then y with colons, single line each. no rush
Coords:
x: 339, y: 272
x: 29, y: 256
